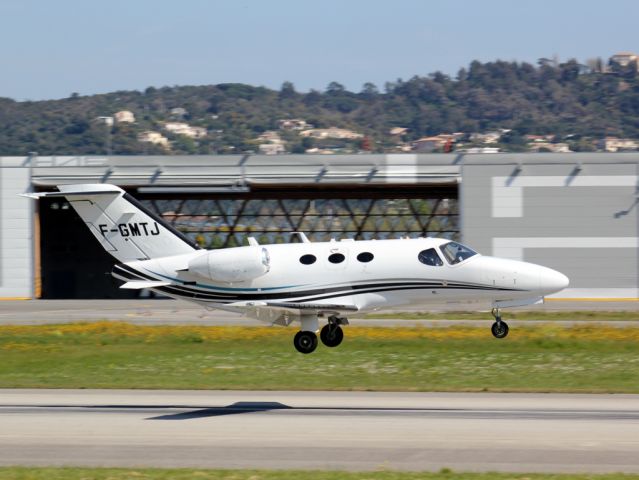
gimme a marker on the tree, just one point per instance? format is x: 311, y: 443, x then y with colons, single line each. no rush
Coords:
x: 595, y: 65
x: 369, y: 91
x: 184, y: 144
x: 514, y: 141
x: 335, y: 88
x: 287, y: 90
x: 312, y: 98
x: 569, y: 71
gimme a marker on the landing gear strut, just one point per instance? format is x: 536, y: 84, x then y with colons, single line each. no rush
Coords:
x: 332, y: 334
x: 499, y: 329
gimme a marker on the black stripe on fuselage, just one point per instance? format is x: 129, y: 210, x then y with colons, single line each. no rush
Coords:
x: 130, y: 273
x: 302, y: 296
x: 196, y: 296
x: 118, y: 271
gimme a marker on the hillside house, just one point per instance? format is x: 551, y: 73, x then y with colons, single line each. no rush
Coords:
x: 293, y: 124
x: 332, y: 132
x: 153, y: 137
x: 625, y: 58
x: 614, y: 144
x: 124, y: 116
x: 179, y: 128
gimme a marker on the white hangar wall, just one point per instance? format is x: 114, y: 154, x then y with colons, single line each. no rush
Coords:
x: 16, y: 229
x: 577, y: 213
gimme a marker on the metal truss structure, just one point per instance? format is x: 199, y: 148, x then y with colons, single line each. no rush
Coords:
x: 224, y: 222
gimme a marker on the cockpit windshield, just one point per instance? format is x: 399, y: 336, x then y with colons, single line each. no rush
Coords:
x: 456, y: 252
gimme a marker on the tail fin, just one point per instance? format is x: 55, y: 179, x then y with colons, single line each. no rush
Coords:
x: 124, y: 227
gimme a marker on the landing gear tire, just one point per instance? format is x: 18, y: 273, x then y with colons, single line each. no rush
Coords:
x: 332, y: 335
x: 305, y: 342
x: 499, y: 329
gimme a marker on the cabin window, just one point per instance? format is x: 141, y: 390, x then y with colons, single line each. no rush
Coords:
x: 308, y: 259
x: 456, y: 252
x: 365, y: 257
x: 429, y: 257
x: 336, y: 258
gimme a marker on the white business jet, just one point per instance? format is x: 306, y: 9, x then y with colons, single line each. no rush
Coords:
x: 303, y: 281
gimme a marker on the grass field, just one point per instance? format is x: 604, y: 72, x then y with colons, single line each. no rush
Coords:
x: 541, y: 315
x: 542, y: 358
x: 188, y: 474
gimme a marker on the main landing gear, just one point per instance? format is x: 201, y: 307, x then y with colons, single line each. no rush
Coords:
x: 305, y: 341
x: 499, y: 329
x: 332, y: 334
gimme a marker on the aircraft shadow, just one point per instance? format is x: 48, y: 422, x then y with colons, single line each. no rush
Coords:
x: 253, y: 407
x: 234, y: 409
x: 193, y: 412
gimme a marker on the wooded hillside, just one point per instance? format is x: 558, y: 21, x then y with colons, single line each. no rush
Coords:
x: 575, y: 104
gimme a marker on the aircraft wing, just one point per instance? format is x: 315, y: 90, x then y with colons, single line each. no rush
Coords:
x: 316, y: 307
x: 283, y: 313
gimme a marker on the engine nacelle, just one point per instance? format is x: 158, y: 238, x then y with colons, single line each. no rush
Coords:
x: 232, y: 264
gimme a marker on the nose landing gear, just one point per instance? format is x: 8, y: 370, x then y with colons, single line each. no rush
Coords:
x: 499, y: 329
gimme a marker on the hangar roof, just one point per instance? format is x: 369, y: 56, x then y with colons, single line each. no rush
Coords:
x: 244, y: 171
x: 550, y: 158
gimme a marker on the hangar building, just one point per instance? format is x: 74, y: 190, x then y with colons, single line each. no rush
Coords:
x: 577, y: 213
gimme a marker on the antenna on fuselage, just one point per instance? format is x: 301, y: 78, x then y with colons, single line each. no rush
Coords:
x: 301, y: 236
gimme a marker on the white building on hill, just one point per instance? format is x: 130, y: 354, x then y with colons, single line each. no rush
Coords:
x: 124, y: 116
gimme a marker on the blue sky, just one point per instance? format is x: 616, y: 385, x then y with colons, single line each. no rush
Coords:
x: 50, y: 48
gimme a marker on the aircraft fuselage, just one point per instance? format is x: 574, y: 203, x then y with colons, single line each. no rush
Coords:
x: 369, y: 275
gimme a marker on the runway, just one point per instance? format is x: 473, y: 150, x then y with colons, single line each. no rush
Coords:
x: 178, y: 312
x: 321, y: 430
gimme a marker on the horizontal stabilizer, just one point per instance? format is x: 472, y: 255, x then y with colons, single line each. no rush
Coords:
x: 138, y: 284
x: 78, y: 191
x: 68, y: 194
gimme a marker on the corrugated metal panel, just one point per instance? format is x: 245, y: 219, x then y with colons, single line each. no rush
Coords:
x: 16, y: 245
x: 551, y: 158
x: 249, y: 170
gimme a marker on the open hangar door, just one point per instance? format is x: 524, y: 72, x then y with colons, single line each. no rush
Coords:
x: 74, y: 265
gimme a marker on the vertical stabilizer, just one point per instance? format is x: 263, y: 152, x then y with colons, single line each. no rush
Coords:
x: 124, y: 228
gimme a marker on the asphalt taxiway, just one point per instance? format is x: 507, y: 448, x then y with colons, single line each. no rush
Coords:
x: 178, y: 312
x: 321, y: 430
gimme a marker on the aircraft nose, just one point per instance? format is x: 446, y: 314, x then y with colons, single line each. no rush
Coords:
x: 551, y: 281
